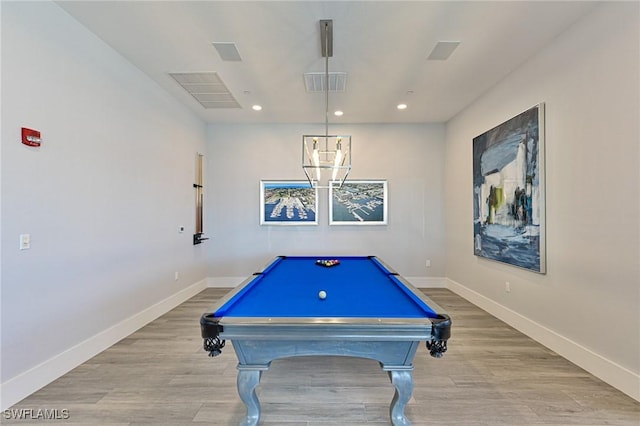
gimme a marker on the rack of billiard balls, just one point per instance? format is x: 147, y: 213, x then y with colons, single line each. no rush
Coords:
x: 327, y: 262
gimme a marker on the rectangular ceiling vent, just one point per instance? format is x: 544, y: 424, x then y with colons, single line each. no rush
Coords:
x: 443, y: 50
x: 315, y: 82
x: 227, y: 51
x: 207, y: 88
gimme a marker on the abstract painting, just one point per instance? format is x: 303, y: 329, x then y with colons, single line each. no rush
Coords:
x: 362, y: 202
x: 288, y: 203
x: 508, y: 192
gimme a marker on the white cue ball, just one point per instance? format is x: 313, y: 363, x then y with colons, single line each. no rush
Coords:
x: 322, y: 294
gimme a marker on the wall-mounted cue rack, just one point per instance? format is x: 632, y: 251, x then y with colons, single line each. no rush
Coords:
x: 198, y: 237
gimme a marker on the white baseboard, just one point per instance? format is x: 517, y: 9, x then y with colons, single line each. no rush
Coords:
x: 606, y: 370
x: 19, y: 387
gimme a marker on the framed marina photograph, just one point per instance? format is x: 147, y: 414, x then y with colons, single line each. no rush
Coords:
x: 509, y: 192
x: 290, y: 202
x: 360, y: 202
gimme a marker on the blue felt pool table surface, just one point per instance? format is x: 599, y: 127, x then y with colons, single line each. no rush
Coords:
x: 357, y: 287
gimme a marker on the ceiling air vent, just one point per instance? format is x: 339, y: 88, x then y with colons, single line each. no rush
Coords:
x: 207, y: 88
x: 227, y: 51
x: 442, y: 50
x: 314, y: 82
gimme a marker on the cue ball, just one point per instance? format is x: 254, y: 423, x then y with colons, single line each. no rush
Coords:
x: 322, y: 294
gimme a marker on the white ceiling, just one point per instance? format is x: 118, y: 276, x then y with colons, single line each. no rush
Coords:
x: 381, y: 45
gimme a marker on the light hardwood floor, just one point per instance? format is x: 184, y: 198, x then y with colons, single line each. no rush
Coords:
x: 491, y: 375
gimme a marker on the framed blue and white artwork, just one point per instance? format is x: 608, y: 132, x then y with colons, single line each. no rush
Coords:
x: 288, y: 202
x: 358, y: 202
x: 509, y: 192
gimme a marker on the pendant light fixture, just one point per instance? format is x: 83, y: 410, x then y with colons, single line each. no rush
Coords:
x: 326, y: 159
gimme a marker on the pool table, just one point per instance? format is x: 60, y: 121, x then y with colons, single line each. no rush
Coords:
x: 367, y: 311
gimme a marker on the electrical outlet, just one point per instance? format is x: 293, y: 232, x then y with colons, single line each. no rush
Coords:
x: 507, y: 287
x: 176, y: 276
x: 427, y: 263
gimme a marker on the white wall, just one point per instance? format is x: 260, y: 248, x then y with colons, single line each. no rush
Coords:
x: 587, y: 306
x: 102, y: 198
x: 410, y: 157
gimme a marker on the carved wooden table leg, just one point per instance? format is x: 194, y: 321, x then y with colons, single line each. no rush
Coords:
x: 248, y: 379
x: 402, y: 379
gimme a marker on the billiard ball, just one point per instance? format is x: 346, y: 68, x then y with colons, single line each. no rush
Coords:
x: 322, y: 294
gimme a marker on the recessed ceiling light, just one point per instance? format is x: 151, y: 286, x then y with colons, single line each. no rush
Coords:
x: 338, y: 113
x: 256, y: 108
x: 402, y: 106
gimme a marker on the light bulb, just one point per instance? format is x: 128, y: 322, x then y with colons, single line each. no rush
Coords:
x: 338, y: 158
x: 316, y: 158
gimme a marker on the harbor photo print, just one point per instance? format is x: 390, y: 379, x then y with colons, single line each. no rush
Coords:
x: 288, y: 203
x: 362, y: 202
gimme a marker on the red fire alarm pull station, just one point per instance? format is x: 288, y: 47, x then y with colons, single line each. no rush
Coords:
x: 30, y: 137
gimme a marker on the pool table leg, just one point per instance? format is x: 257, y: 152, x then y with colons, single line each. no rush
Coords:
x: 248, y: 379
x: 402, y: 379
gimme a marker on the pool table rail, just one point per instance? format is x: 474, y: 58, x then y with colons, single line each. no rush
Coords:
x: 435, y: 332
